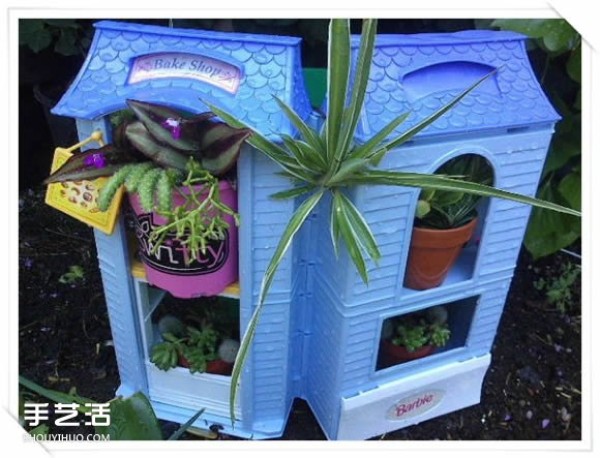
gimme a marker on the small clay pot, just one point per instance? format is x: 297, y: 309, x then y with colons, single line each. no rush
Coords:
x: 219, y: 367
x: 212, y: 367
x: 183, y: 362
x: 396, y: 354
x: 432, y: 254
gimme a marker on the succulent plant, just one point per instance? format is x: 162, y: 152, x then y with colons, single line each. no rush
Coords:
x: 196, y: 347
x: 414, y: 332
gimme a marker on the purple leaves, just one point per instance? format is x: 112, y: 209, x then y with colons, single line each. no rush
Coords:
x: 164, y: 135
x: 214, y: 144
x: 163, y: 155
x: 170, y: 127
x: 91, y: 164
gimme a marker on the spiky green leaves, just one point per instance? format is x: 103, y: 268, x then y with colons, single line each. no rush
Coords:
x: 329, y: 161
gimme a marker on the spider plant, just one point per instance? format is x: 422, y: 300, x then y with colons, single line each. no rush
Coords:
x: 330, y: 161
x: 446, y: 209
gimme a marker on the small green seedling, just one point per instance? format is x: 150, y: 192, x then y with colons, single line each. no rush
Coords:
x: 74, y: 275
x: 558, y: 290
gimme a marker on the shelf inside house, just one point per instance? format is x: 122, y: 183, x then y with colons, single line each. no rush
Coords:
x: 188, y: 388
x: 138, y: 272
x: 460, y: 272
x: 433, y: 330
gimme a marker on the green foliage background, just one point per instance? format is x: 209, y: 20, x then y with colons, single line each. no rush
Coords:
x: 555, y: 51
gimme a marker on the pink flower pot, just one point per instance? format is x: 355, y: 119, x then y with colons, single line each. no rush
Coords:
x: 167, y: 268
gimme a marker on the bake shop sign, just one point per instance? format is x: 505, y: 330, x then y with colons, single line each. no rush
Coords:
x: 184, y: 65
x: 414, y: 405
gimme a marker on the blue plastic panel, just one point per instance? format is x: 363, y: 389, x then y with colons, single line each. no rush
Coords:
x: 260, y: 66
x: 517, y: 160
x: 178, y: 67
x: 422, y: 72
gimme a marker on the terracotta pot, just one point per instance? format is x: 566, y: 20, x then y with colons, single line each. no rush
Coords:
x: 396, y: 354
x: 219, y: 367
x: 183, y: 362
x: 212, y: 367
x: 432, y: 254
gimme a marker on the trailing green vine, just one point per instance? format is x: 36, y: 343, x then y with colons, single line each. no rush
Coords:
x: 200, y: 218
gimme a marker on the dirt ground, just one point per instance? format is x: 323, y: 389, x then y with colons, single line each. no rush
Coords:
x: 531, y: 391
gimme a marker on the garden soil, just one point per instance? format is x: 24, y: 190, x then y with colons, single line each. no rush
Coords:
x: 532, y: 390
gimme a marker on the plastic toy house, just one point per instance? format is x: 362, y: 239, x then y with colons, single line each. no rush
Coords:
x: 178, y: 68
x: 320, y: 333
x: 509, y: 122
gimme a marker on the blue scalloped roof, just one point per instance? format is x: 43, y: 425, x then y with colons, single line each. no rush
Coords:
x: 422, y: 72
x: 270, y: 65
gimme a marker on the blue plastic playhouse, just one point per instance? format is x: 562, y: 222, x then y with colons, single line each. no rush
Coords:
x: 319, y: 334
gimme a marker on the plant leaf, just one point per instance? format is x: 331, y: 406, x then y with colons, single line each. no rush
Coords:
x: 240, y: 359
x: 433, y: 117
x: 56, y: 396
x: 317, y: 156
x: 337, y: 82
x: 75, y: 168
x: 153, y: 116
x: 34, y: 34
x: 292, y: 228
x: 548, y: 232
x: 359, y: 226
x: 309, y: 135
x: 219, y: 154
x: 349, y: 237
x: 418, y: 180
x: 307, y: 161
x: 335, y: 230
x: 132, y: 418
x: 164, y: 155
x: 272, y: 150
x: 294, y: 192
x: 366, y: 149
x: 183, y: 428
x: 290, y: 231
x: 347, y: 168
x: 570, y: 189
x: 362, y: 70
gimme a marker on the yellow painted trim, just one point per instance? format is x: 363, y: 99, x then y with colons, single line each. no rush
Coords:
x: 138, y: 271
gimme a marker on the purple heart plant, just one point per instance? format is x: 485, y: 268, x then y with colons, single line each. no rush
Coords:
x: 156, y: 151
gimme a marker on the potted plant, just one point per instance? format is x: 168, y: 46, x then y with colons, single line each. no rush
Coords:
x: 414, y: 336
x: 174, y: 167
x: 329, y: 162
x: 444, y: 223
x: 195, y: 349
